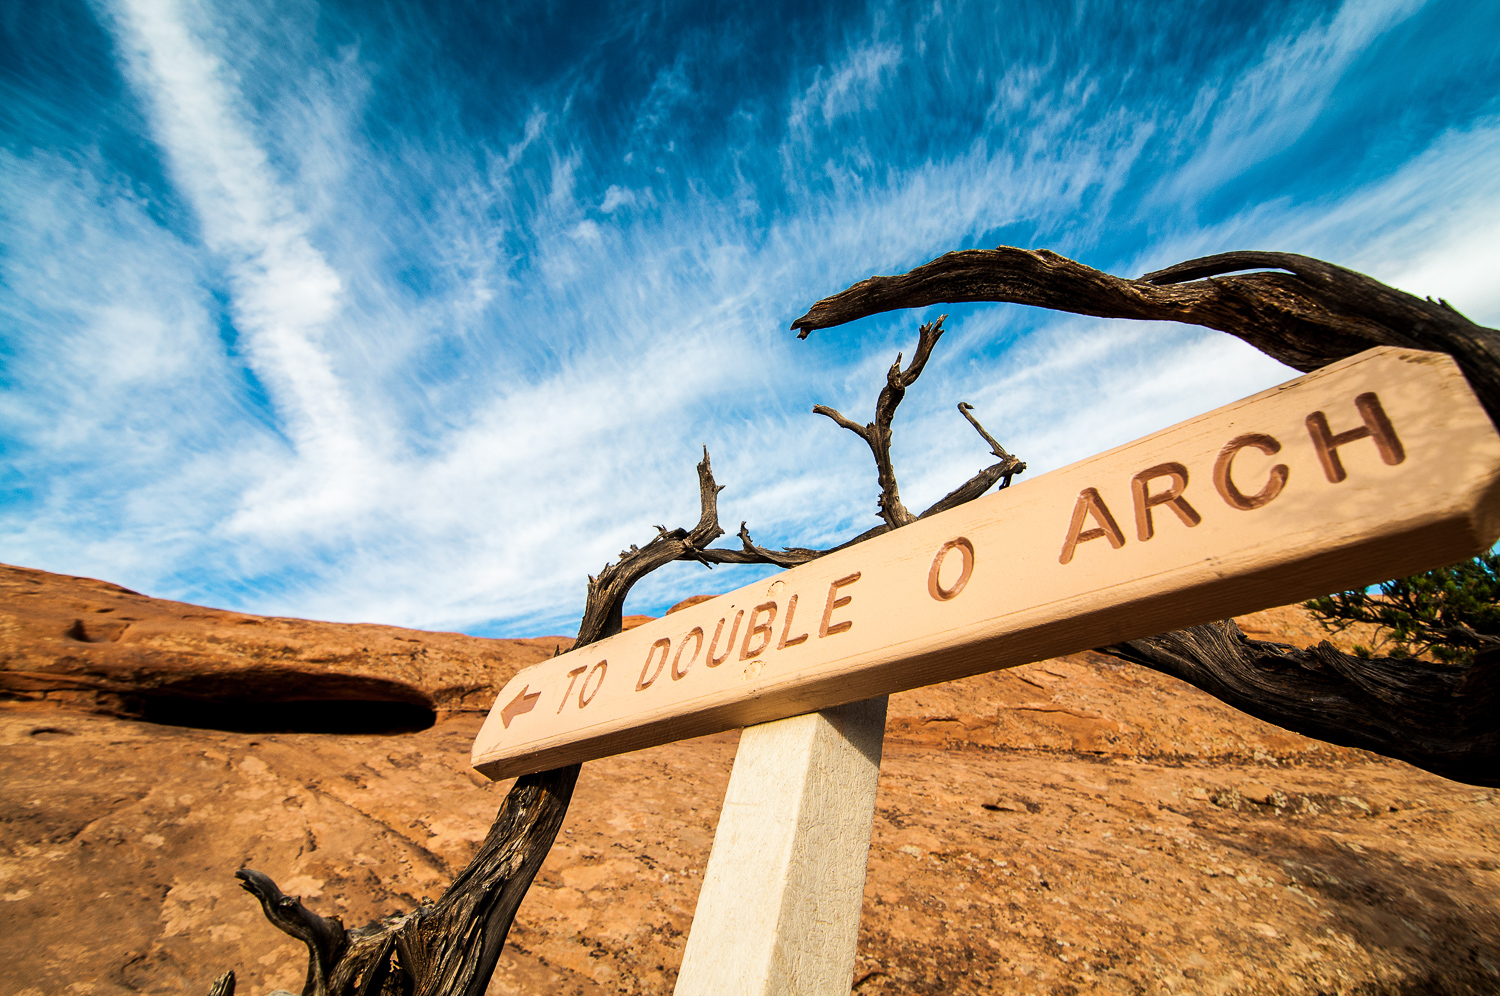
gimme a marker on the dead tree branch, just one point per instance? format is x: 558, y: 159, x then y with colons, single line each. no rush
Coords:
x: 1008, y: 467
x: 877, y: 435
x: 964, y: 409
x: 750, y: 553
x: 1314, y: 313
x: 1436, y: 716
x: 449, y: 948
x: 790, y: 556
x: 606, y: 599
x: 1309, y: 316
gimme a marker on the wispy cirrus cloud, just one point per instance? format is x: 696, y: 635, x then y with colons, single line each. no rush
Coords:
x: 413, y: 327
x: 282, y: 292
x: 853, y: 85
x: 1235, y: 125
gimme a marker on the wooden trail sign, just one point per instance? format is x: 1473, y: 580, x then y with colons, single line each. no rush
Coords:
x: 1380, y: 465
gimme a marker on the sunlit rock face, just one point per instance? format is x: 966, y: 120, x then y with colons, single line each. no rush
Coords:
x: 82, y: 644
x: 1075, y: 825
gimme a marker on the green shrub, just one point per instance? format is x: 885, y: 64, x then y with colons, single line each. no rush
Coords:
x: 1453, y: 613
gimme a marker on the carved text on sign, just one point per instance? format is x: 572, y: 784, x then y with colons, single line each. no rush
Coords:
x: 1378, y: 466
x: 1090, y: 506
x: 758, y: 631
x: 1162, y: 486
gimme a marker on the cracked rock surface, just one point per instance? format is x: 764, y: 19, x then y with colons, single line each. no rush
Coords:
x: 1078, y: 825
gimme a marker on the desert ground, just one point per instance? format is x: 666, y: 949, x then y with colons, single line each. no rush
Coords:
x: 1074, y: 826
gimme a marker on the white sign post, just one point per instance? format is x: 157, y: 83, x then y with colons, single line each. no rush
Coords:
x: 1381, y: 465
x: 781, y: 897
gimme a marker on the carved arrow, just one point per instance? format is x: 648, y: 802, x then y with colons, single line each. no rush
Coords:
x: 521, y: 703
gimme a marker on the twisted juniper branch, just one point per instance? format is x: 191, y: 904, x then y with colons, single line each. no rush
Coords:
x: 450, y: 948
x: 877, y: 435
x: 1308, y: 315
x: 1440, y: 717
x: 1311, y: 314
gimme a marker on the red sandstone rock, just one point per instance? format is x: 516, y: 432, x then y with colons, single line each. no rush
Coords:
x: 86, y: 644
x: 1073, y: 826
x: 688, y: 602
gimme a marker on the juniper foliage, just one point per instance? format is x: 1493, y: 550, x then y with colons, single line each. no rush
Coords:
x: 1452, y: 612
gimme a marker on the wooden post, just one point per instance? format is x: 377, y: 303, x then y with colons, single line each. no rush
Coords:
x: 780, y: 906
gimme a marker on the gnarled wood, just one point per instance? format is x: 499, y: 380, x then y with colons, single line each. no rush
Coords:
x: 1313, y: 314
x: 326, y: 939
x: 1438, y: 717
x: 606, y: 599
x: 448, y: 948
x: 1307, y: 317
x: 877, y: 435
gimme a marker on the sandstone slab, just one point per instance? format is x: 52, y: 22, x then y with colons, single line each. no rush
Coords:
x: 79, y: 643
x: 1077, y: 825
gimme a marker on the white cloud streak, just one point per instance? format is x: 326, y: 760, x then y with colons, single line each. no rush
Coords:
x: 489, y: 372
x: 1279, y: 98
x: 284, y: 293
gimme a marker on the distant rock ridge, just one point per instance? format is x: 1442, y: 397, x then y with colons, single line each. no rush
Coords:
x: 88, y: 645
x: 93, y: 646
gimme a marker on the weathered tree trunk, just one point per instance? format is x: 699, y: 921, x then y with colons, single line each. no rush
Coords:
x: 1312, y: 315
x: 1441, y: 717
x: 449, y: 947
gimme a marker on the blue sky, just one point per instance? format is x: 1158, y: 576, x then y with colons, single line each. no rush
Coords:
x: 418, y: 313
